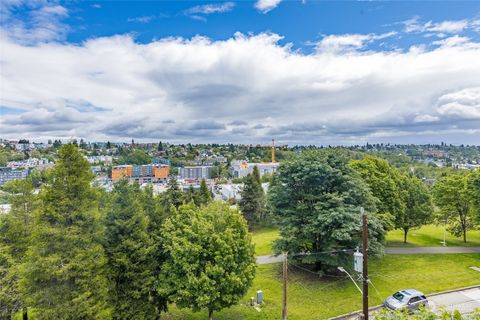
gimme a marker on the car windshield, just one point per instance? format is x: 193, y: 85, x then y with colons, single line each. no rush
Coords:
x: 399, y: 296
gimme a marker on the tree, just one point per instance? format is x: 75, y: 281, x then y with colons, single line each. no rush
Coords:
x: 211, y: 260
x: 473, y: 187
x: 453, y: 197
x: 15, y: 233
x: 128, y: 248
x: 252, y: 201
x: 385, y: 184
x: 64, y: 274
x: 9, y: 296
x: 315, y: 199
x: 204, y: 195
x: 156, y: 216
x: 160, y: 146
x: 418, y: 205
x: 173, y: 196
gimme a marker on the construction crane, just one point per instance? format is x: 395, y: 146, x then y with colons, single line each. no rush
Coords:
x: 273, y: 150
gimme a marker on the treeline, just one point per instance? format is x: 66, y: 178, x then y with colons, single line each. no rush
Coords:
x: 75, y: 252
x: 315, y: 199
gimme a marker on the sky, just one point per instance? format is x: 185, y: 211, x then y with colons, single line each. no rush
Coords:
x: 300, y: 72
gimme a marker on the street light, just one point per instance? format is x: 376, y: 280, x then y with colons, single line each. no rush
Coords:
x: 341, y: 269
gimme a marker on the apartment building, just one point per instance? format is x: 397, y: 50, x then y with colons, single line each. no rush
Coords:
x: 9, y: 174
x: 141, y: 173
x: 242, y: 168
x: 195, y: 172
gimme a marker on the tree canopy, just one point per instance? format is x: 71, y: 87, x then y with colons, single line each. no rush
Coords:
x: 316, y: 200
x: 64, y: 273
x: 211, y: 260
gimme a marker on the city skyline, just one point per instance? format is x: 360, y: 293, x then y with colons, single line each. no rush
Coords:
x: 310, y: 72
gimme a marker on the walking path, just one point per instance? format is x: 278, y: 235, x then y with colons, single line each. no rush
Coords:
x: 392, y: 250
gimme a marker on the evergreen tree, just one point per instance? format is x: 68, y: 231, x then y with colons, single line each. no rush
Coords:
x: 129, y: 249
x: 256, y: 175
x: 64, y: 274
x: 252, y: 200
x: 15, y: 233
x: 211, y: 260
x: 204, y: 195
x: 173, y: 197
x: 160, y: 146
x: 9, y: 296
x: 192, y: 196
x: 154, y: 211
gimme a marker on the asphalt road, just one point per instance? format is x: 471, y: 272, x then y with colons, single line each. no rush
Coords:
x: 465, y: 301
x: 393, y: 250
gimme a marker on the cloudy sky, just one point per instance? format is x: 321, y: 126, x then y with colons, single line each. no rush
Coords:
x: 302, y: 72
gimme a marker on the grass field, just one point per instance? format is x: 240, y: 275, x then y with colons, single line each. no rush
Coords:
x: 263, y: 238
x: 311, y: 297
x: 426, y: 236
x: 431, y: 236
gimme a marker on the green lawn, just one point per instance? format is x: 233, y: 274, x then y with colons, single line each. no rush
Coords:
x: 263, y: 238
x: 429, y: 236
x: 426, y: 236
x: 311, y: 297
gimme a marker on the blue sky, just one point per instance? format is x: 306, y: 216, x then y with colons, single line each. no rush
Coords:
x: 327, y: 72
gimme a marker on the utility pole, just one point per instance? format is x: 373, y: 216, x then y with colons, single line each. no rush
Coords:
x: 285, y: 279
x: 365, y: 263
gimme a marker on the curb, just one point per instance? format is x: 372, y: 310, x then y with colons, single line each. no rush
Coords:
x: 358, y: 313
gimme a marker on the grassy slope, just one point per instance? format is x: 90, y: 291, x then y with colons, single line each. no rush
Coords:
x: 313, y: 298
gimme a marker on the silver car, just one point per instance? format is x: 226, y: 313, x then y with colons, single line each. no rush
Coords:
x: 409, y: 299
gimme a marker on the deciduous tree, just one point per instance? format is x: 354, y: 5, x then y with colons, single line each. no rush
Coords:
x: 316, y: 199
x: 211, y: 260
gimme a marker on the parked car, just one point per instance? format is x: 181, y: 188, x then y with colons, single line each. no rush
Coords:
x: 409, y: 299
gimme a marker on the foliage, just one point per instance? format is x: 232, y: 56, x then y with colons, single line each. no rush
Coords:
x: 211, y: 260
x: 316, y: 202
x: 173, y: 197
x: 128, y: 248
x: 204, y: 195
x: 473, y: 186
x: 252, y: 202
x: 135, y: 156
x: 452, y: 196
x: 385, y: 183
x: 64, y: 270
x: 15, y: 233
x: 418, y: 205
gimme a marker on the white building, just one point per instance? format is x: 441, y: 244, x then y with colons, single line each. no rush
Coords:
x: 242, y: 168
x: 195, y: 172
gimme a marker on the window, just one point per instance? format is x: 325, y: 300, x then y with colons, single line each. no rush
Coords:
x: 415, y: 299
x: 399, y: 296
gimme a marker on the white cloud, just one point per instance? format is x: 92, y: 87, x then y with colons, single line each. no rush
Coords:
x: 211, y: 8
x: 44, y: 23
x: 346, y: 42
x: 142, y: 19
x: 196, y: 89
x: 266, y: 5
x: 440, y: 28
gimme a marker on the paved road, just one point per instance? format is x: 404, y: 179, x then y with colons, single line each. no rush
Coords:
x: 393, y: 250
x: 465, y: 301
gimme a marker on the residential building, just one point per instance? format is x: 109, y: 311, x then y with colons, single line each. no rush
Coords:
x: 141, y: 173
x: 195, y: 172
x: 9, y: 174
